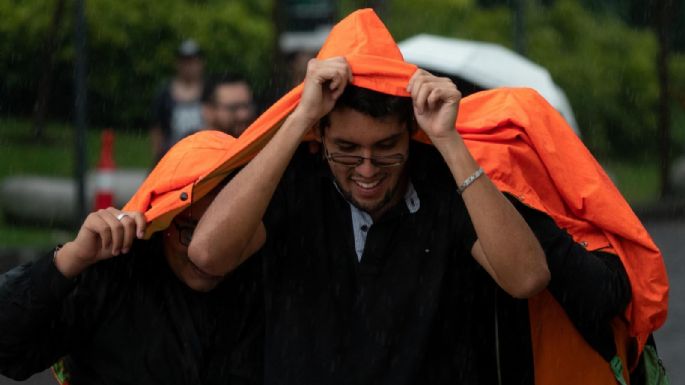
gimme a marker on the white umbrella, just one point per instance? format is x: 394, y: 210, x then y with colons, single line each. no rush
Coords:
x: 486, y: 65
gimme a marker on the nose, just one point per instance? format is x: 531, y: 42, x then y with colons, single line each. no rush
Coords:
x: 244, y: 114
x: 367, y: 169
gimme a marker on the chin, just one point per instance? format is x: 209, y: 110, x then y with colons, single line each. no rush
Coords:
x: 201, y: 285
x: 369, y: 207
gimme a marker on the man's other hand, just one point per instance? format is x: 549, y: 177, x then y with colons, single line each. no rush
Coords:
x: 104, y: 234
x: 324, y: 82
x: 436, y: 103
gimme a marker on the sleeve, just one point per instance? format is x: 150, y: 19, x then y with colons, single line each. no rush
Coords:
x: 276, y: 218
x: 592, y: 287
x: 34, y: 334
x: 275, y: 212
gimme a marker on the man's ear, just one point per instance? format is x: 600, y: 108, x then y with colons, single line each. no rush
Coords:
x: 317, y: 131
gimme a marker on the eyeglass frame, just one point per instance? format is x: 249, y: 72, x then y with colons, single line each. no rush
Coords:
x: 185, y: 233
x: 233, y: 108
x: 360, y: 159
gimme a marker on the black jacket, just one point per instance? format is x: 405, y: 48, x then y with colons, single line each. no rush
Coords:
x: 130, y: 320
x: 417, y: 308
x: 591, y: 287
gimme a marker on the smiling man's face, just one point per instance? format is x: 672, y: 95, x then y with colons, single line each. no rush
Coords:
x: 371, y: 188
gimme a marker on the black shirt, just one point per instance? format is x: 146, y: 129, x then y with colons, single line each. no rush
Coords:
x: 130, y: 320
x: 591, y: 287
x: 403, y: 315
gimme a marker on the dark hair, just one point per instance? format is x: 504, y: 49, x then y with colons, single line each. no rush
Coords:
x: 374, y: 104
x: 208, y: 93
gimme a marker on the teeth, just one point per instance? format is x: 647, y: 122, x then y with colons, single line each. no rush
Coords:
x: 367, y: 185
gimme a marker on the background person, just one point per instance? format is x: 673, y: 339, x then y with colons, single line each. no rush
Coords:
x: 176, y: 109
x: 228, y: 105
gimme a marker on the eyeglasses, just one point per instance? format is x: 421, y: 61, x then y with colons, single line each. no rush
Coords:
x: 382, y: 161
x: 185, y: 233
x: 235, y: 107
x: 185, y: 229
x: 356, y: 160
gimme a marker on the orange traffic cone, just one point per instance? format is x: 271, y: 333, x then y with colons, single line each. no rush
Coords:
x: 104, y: 189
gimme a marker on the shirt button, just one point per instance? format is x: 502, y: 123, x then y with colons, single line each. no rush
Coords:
x: 365, y: 228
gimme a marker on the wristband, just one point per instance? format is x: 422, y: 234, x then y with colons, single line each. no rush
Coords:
x: 468, y: 181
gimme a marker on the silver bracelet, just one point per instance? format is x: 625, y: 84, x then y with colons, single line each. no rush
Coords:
x: 470, y: 180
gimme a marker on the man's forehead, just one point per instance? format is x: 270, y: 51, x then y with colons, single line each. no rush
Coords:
x: 234, y: 89
x: 348, y: 124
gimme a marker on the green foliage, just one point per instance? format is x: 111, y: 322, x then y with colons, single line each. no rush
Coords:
x: 608, y: 72
x: 606, y: 68
x: 677, y: 73
x: 638, y: 182
x: 21, y: 154
x: 131, y: 48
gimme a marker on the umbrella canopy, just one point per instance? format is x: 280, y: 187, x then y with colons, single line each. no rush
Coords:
x: 486, y: 65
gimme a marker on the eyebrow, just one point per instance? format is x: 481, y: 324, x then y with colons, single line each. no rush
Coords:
x: 390, y: 138
x: 344, y: 142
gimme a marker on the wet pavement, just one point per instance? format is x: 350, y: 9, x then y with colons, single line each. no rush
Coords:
x: 670, y: 339
x: 670, y: 237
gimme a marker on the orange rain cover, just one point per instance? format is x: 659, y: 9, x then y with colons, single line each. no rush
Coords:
x: 524, y: 145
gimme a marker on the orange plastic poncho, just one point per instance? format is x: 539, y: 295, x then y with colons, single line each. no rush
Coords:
x: 525, y: 147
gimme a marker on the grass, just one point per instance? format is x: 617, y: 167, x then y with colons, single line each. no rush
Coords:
x: 638, y: 182
x: 21, y: 154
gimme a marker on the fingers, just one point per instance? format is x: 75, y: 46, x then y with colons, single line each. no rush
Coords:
x: 134, y: 226
x: 118, y: 229
x: 129, y: 225
x: 96, y: 224
x: 140, y: 222
x: 431, y: 92
x: 334, y: 73
x: 115, y: 228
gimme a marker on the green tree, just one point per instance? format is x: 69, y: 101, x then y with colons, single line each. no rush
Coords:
x: 131, y: 47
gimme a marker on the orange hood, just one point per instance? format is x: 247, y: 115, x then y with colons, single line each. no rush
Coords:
x: 523, y: 144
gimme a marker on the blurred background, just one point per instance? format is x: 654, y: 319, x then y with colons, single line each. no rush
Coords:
x: 80, y: 86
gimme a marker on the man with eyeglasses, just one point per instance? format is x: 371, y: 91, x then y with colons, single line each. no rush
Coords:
x: 227, y: 104
x: 376, y: 247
